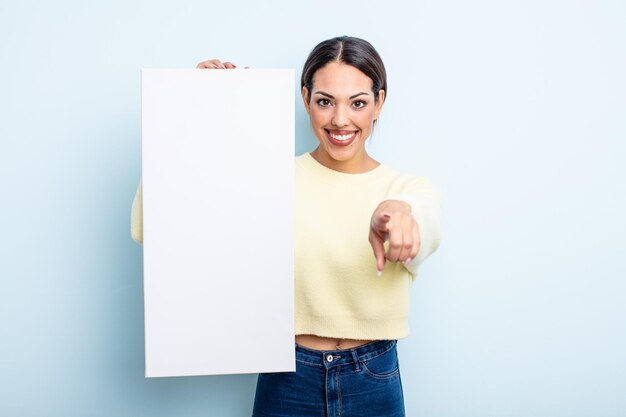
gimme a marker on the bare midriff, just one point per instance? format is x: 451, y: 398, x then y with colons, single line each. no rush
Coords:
x: 326, y: 343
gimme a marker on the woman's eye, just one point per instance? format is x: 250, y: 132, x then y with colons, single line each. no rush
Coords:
x: 359, y: 104
x: 324, y: 102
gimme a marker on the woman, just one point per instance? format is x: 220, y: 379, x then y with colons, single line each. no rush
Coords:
x: 351, y: 291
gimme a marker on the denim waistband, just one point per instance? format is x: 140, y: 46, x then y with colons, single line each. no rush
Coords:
x: 331, y: 358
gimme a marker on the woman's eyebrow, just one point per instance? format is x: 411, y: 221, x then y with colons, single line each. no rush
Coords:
x: 330, y: 96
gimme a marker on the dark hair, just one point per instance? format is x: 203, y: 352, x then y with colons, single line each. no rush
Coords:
x: 349, y: 50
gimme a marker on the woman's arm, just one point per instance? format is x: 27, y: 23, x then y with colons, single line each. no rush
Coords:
x: 136, y: 216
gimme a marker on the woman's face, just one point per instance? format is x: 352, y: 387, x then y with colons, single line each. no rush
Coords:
x: 342, y: 110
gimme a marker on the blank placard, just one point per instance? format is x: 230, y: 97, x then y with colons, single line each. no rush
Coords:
x: 218, y: 182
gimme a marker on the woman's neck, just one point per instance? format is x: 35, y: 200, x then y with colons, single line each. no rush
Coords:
x: 357, y: 165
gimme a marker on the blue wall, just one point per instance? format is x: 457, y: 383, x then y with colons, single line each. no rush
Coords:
x: 515, y: 109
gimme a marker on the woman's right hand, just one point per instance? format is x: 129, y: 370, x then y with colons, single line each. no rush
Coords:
x: 215, y: 64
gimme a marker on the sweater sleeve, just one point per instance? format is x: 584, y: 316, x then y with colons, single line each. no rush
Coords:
x: 136, y: 216
x: 426, y: 206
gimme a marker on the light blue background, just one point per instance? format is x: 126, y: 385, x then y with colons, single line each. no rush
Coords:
x: 516, y: 109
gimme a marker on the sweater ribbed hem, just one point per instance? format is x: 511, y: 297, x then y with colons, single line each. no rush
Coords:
x: 353, y: 327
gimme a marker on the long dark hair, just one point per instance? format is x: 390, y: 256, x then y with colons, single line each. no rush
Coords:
x: 349, y: 50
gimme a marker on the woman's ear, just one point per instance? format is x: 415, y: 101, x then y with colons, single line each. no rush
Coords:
x: 305, y: 98
x: 379, y: 103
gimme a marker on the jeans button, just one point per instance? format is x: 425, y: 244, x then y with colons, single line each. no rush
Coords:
x: 329, y: 358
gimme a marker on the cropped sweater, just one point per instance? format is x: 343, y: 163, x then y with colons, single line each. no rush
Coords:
x: 338, y: 293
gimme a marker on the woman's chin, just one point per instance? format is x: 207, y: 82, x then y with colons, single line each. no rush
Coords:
x: 341, y: 154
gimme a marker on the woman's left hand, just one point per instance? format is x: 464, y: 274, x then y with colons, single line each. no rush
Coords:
x: 392, y: 220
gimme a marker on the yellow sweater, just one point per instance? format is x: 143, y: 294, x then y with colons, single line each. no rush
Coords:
x: 337, y: 291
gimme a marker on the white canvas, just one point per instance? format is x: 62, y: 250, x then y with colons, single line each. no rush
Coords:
x: 218, y: 154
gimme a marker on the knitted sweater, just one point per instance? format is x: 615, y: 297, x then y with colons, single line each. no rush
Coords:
x: 337, y: 291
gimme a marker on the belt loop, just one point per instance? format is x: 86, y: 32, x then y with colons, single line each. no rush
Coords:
x: 355, y: 358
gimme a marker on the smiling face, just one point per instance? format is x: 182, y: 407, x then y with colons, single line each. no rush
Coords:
x: 342, y: 110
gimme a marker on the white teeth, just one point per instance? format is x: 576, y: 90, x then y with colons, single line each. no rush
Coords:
x: 342, y: 137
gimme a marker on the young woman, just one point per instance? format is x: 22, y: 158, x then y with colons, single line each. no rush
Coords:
x: 351, y: 288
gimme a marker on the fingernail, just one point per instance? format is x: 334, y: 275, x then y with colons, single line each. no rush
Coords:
x: 407, y: 262
x: 378, y: 273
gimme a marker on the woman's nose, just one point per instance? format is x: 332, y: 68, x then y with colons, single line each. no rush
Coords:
x: 340, y: 118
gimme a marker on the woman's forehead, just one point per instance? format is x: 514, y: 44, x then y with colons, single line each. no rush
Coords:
x: 341, y: 78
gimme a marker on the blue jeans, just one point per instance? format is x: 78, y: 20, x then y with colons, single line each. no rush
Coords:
x: 359, y: 382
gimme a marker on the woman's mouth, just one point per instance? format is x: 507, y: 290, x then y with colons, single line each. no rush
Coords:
x: 340, y: 137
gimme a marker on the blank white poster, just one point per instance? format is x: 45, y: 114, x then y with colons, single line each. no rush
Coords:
x: 218, y: 182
